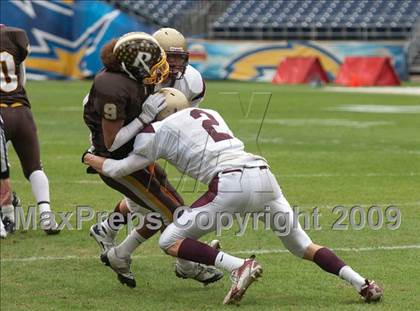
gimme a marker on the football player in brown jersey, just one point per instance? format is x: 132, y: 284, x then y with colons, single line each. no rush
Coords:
x: 19, y: 124
x: 5, y: 188
x: 119, y: 105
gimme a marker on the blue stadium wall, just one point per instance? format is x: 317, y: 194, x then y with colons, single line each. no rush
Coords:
x: 66, y: 37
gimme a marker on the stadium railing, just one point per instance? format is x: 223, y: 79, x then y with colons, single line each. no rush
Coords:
x: 414, y: 50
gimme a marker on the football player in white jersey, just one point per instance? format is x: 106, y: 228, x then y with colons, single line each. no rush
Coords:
x: 182, y: 76
x: 199, y: 144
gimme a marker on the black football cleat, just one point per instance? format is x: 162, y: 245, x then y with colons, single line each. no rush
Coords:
x: 9, y: 225
x: 15, y: 200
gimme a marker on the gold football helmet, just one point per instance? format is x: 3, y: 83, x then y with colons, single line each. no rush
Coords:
x: 175, y: 101
x: 175, y: 46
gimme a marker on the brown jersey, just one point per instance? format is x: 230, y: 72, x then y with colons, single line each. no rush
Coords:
x: 113, y: 96
x: 14, y: 49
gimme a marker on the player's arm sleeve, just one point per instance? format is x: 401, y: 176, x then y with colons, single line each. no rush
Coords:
x: 146, y: 143
x: 110, y: 101
x: 112, y: 107
x: 144, y: 153
x: 124, y: 167
x: 126, y: 133
x: 22, y: 74
x: 150, y: 108
x: 197, y: 87
x: 22, y: 41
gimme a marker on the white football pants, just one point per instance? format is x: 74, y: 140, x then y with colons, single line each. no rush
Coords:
x: 249, y: 190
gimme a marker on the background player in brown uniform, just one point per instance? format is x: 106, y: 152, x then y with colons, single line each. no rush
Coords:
x: 5, y: 188
x: 118, y: 106
x: 19, y: 124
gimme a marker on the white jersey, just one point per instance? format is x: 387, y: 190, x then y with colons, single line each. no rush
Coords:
x: 191, y: 84
x: 197, y: 142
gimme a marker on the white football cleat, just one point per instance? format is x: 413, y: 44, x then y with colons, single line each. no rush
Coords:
x: 242, y: 278
x: 371, y: 292
x: 199, y: 272
x: 48, y: 224
x: 204, y: 274
x: 104, y: 240
x: 121, y: 266
x: 3, y: 232
x: 9, y: 225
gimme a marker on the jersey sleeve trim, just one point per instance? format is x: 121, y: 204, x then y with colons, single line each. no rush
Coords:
x: 148, y: 129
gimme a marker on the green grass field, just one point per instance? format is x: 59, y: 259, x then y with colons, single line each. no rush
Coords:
x: 322, y: 156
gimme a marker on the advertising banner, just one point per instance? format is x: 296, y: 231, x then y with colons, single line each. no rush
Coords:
x: 66, y: 36
x: 258, y: 60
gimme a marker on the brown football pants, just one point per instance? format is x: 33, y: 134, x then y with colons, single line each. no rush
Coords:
x: 20, y: 129
x: 149, y: 188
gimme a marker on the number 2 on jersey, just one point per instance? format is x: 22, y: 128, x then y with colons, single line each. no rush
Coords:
x: 208, y: 125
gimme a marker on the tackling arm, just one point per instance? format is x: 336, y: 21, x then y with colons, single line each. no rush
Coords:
x: 116, y: 168
x: 125, y: 134
x: 151, y: 107
x: 110, y: 130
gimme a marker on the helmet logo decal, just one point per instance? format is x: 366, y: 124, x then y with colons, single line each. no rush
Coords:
x: 142, y: 57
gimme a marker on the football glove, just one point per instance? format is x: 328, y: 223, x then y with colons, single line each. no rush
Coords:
x: 151, y: 107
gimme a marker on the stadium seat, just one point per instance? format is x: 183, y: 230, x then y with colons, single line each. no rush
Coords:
x: 160, y: 12
x: 364, y: 16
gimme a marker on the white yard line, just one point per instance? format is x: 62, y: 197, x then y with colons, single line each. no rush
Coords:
x: 340, y: 249
x: 390, y: 109
x: 375, y: 90
x: 318, y: 122
x: 253, y: 251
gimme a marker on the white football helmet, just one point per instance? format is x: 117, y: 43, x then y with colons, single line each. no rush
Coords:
x: 175, y: 101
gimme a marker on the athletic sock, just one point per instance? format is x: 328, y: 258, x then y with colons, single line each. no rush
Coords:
x: 228, y: 262
x: 41, y: 190
x: 115, y: 221
x: 351, y: 276
x: 328, y: 261
x: 109, y: 230
x: 9, y: 212
x: 131, y: 242
x: 196, y: 251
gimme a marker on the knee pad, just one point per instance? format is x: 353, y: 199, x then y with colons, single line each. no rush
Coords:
x: 167, y: 238
x: 297, y: 242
